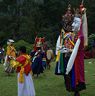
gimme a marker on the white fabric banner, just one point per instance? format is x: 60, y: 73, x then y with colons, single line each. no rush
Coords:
x: 85, y: 29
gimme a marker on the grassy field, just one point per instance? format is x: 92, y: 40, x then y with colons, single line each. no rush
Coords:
x: 48, y: 84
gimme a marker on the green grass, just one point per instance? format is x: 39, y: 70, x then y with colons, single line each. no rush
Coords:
x: 48, y: 84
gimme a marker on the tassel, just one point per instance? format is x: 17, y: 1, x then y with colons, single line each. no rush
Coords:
x: 21, y: 76
x: 58, y: 56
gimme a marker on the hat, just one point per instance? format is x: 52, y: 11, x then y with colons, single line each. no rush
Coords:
x: 10, y: 41
x: 82, y: 8
x: 69, y: 7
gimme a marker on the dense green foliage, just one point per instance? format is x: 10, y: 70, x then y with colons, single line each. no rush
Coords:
x: 20, y: 43
x: 24, y: 19
x: 91, y: 41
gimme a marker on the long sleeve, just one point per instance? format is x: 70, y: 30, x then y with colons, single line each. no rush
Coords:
x: 73, y: 56
x: 57, y: 45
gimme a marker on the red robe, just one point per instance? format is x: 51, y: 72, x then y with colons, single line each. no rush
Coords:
x: 22, y: 61
x: 79, y: 61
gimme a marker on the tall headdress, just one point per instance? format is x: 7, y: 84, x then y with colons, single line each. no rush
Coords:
x: 67, y: 19
x: 39, y: 41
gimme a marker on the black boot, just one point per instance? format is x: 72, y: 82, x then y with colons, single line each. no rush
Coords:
x: 76, y: 94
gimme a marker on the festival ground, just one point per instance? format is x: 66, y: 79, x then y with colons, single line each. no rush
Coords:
x: 48, y: 84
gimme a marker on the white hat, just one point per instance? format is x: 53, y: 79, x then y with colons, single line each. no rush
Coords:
x: 10, y: 41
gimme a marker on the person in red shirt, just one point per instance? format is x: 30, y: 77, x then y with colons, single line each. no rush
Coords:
x: 25, y: 82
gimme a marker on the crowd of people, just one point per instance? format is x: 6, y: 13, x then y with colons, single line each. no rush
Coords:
x: 26, y: 64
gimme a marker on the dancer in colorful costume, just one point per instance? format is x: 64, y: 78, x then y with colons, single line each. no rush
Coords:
x: 38, y: 56
x: 23, y: 68
x: 49, y: 57
x: 64, y: 43
x: 10, y: 55
x: 74, y: 64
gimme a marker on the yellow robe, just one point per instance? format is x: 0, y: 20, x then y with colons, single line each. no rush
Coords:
x: 11, y: 51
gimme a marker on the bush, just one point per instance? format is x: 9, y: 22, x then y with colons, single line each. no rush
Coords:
x: 20, y: 43
x: 91, y: 41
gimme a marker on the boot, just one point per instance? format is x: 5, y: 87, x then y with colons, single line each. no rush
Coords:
x: 76, y: 94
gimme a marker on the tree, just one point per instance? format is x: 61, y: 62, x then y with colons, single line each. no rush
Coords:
x: 24, y: 19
